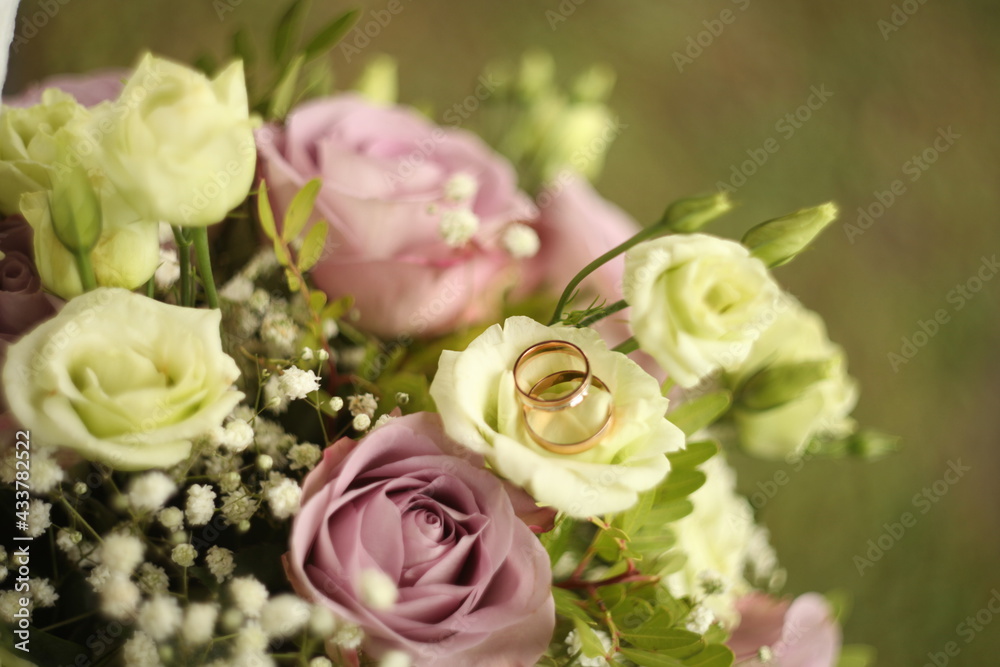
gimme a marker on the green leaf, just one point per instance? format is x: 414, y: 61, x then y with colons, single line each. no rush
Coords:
x: 606, y: 545
x: 312, y: 247
x: 299, y: 210
x: 680, y: 484
x: 650, y: 658
x: 693, y: 454
x: 317, y: 300
x: 658, y: 634
x: 857, y: 655
x: 635, y: 517
x: 264, y: 212
x: 695, y: 415
x: 289, y: 28
x: 331, y: 33
x: 631, y: 613
x: 557, y: 540
x: 284, y: 92
x: 671, y: 563
x: 591, y: 643
x: 665, y: 513
x: 567, y: 605
x: 337, y: 309
x: 715, y: 655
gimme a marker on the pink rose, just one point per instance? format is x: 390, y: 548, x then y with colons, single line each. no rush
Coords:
x: 88, y: 89
x: 473, y: 580
x: 391, y: 179
x: 23, y: 304
x: 800, y: 633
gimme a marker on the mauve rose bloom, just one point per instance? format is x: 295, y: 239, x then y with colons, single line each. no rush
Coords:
x: 576, y: 226
x: 23, y: 304
x: 389, y: 175
x: 89, y: 89
x: 473, y: 580
x: 800, y: 632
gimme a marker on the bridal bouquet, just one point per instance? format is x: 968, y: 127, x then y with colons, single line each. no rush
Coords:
x: 296, y: 376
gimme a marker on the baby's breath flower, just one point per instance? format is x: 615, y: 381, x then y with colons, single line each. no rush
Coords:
x: 38, y: 518
x: 169, y: 269
x: 322, y: 622
x: 68, y: 540
x: 700, y: 619
x: 99, y: 577
x: 119, y: 597
x: 148, y: 492
x: 237, y: 435
x: 521, y: 241
x: 461, y: 187
x: 153, y: 579
x: 140, y: 651
x: 295, y: 383
x: 361, y: 422
x: 184, y: 555
x: 46, y: 473
x: 237, y: 290
x: 171, y: 518
x: 306, y: 354
x: 305, y: 455
x: 42, y: 592
x: 265, y: 462
x: 348, y: 636
x: 220, y: 563
x: 384, y: 419
x: 284, y: 615
x: 395, y: 659
x: 377, y: 590
x: 280, y: 332
x: 200, y: 504
x: 320, y: 661
x: 198, y: 626
x: 402, y: 398
x: 121, y: 553
x: 249, y: 595
x: 239, y: 506
x: 159, y: 617
x: 458, y: 226
x: 335, y: 404
x: 362, y: 404
x: 283, y: 495
x: 274, y: 399
x: 230, y: 481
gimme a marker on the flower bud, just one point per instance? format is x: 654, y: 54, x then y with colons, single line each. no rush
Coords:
x: 776, y: 385
x: 379, y: 82
x: 75, y: 209
x: 777, y: 241
x: 692, y: 213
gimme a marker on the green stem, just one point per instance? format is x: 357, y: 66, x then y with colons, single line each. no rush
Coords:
x: 630, y: 345
x: 184, y: 257
x: 654, y: 230
x: 204, y: 259
x: 151, y: 288
x: 86, y: 270
x: 604, y: 312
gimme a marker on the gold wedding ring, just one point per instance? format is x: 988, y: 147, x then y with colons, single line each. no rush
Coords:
x: 539, y: 350
x: 532, y: 395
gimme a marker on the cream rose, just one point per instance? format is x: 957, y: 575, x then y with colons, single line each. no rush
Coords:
x: 475, y: 394
x: 696, y: 302
x: 817, y: 403
x: 122, y: 379
x: 177, y: 146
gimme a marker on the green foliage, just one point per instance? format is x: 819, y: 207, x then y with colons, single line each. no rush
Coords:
x: 703, y: 411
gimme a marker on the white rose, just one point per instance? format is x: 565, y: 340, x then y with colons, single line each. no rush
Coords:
x: 697, y: 302
x: 122, y: 379
x: 177, y: 146
x: 821, y: 408
x: 475, y: 394
x: 28, y: 144
x: 720, y: 539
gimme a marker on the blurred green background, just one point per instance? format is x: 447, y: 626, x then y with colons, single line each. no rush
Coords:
x: 894, y: 86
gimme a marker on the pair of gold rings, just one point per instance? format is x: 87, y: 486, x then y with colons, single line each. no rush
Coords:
x: 553, y: 380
